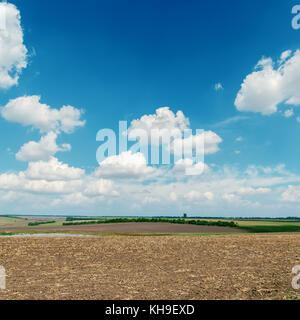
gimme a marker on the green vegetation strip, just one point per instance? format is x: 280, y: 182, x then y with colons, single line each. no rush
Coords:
x: 274, y: 228
x: 176, y: 221
x: 33, y: 224
x: 81, y: 218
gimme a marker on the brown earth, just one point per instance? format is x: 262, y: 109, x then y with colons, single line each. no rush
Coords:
x: 239, y: 266
x: 129, y: 227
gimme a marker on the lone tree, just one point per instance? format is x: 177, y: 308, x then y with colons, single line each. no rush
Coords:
x: 184, y: 215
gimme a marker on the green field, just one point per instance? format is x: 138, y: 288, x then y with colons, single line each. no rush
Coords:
x: 6, y: 220
x: 272, y: 227
x: 260, y: 226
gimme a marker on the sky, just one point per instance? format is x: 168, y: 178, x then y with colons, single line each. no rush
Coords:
x: 71, y: 68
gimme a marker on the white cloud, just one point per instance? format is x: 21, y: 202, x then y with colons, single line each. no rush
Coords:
x: 52, y: 170
x: 208, y: 141
x: 268, y: 86
x: 230, y: 121
x: 150, y: 200
x: 209, y: 195
x: 100, y: 187
x: 193, y: 195
x: 292, y: 194
x: 13, y: 53
x: 280, y: 169
x: 218, y: 86
x: 56, y: 187
x: 55, y: 177
x: 19, y: 182
x: 187, y: 166
x: 285, y: 55
x: 41, y: 150
x: 231, y: 197
x: 73, y: 200
x: 163, y: 119
x: 165, y: 124
x: 125, y: 165
x: 196, y: 195
x: 173, y: 196
x: 288, y: 113
x: 51, y: 187
x: 239, y: 139
x: 9, y: 181
x: 211, y: 142
x: 253, y: 191
x: 28, y: 111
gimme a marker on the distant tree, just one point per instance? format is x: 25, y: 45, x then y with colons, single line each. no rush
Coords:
x: 184, y: 215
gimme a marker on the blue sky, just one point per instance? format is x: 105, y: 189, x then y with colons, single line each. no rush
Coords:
x: 120, y: 60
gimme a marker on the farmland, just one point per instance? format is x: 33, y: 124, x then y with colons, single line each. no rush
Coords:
x: 239, y: 266
x: 150, y: 260
x: 127, y: 226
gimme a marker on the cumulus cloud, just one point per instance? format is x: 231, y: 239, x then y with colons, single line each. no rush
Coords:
x: 13, y: 53
x: 56, y: 186
x: 188, y: 167
x: 19, y: 182
x: 100, y: 187
x: 9, y: 181
x: 52, y: 170
x: 173, y: 132
x: 292, y: 194
x: 125, y: 165
x: 57, y: 178
x: 207, y: 142
x: 29, y: 111
x: 271, y: 84
x: 51, y: 187
x: 164, y: 118
x: 41, y: 150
